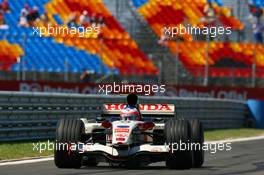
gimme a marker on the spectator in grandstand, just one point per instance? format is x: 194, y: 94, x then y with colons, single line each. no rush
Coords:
x: 256, y: 18
x: 72, y: 20
x: 255, y: 11
x: 23, y: 22
x: 25, y: 10
x: 2, y: 21
x: 85, y: 76
x: 45, y: 18
x: 1, y: 10
x: 5, y: 6
x: 258, y: 13
x: 84, y: 18
x: 209, y: 12
x: 33, y: 15
x: 258, y: 28
x: 163, y: 39
x: 93, y: 20
x: 100, y: 21
x: 232, y: 11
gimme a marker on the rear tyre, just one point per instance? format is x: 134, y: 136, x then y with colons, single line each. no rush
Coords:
x: 197, y: 138
x: 68, y: 131
x: 178, y: 132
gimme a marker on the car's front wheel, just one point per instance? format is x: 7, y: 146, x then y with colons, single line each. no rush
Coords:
x: 68, y: 132
x: 177, y: 136
x: 197, y: 138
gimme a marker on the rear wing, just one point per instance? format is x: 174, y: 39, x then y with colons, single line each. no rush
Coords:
x: 145, y: 109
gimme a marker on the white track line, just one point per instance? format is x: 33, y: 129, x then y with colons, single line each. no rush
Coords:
x: 35, y: 160
x: 244, y: 139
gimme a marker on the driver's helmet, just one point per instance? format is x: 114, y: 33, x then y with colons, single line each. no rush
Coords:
x: 130, y: 113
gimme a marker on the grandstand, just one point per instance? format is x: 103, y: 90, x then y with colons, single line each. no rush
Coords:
x: 192, y: 53
x: 128, y: 41
x: 111, y: 52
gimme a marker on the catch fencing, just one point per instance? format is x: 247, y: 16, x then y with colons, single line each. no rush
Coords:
x: 29, y: 116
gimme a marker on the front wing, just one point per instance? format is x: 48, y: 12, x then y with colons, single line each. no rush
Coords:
x: 130, y: 151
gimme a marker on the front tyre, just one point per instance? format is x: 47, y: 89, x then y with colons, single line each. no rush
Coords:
x: 68, y: 131
x: 178, y: 132
x: 197, y: 138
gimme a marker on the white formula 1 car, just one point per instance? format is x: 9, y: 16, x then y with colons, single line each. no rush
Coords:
x: 160, y: 136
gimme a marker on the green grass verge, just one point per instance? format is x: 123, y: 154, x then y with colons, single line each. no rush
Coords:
x: 17, y: 150
x: 222, y: 134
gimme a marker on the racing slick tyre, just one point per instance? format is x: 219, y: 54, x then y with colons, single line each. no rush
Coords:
x: 177, y: 133
x: 68, y: 131
x: 197, y: 138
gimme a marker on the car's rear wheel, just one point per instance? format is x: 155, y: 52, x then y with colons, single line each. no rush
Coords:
x: 178, y: 133
x: 197, y: 138
x: 68, y: 132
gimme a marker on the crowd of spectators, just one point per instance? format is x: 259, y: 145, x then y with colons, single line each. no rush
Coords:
x: 85, y: 20
x: 28, y: 16
x: 256, y: 16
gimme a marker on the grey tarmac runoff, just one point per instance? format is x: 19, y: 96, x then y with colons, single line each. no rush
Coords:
x: 246, y: 158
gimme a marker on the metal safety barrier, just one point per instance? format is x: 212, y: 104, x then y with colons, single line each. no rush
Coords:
x: 29, y: 116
